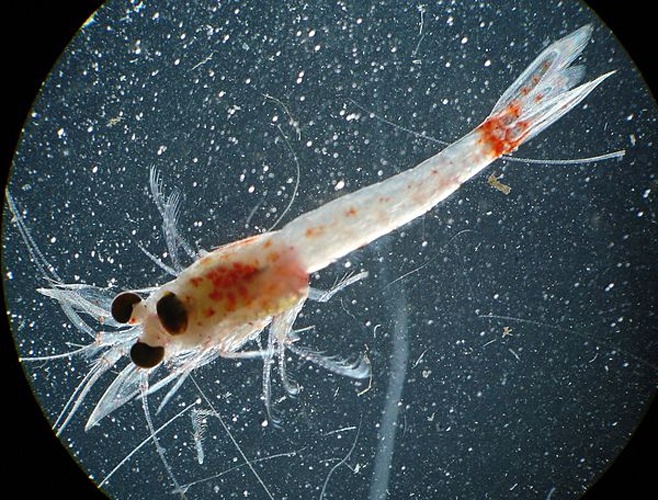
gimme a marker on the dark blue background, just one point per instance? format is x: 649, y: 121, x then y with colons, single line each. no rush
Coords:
x: 32, y: 447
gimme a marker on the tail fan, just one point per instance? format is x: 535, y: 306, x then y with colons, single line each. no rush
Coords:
x: 541, y: 95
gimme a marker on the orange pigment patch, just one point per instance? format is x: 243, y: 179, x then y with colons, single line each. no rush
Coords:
x: 205, y: 260
x: 313, y: 231
x: 196, y: 281
x: 351, y: 212
x: 498, y: 135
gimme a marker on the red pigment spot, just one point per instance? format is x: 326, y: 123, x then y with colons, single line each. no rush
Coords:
x: 209, y: 312
x: 351, y: 212
x: 267, y: 244
x: 196, y: 281
x: 226, y: 280
x: 533, y: 83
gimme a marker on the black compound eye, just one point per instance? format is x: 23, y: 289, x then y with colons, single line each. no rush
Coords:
x: 172, y: 313
x: 122, y: 306
x: 145, y: 356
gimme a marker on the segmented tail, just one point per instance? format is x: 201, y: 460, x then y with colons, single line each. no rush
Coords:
x: 541, y: 95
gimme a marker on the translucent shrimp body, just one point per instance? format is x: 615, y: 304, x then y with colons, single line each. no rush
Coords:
x: 228, y: 296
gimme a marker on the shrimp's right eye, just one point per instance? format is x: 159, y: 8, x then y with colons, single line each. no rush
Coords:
x: 122, y: 306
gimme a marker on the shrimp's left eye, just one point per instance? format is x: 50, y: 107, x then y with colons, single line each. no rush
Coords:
x: 122, y: 306
x: 172, y: 313
x: 145, y: 356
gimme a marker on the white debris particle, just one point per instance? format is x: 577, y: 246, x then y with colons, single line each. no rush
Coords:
x: 464, y: 40
x: 609, y: 287
x: 339, y: 185
x: 233, y: 109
